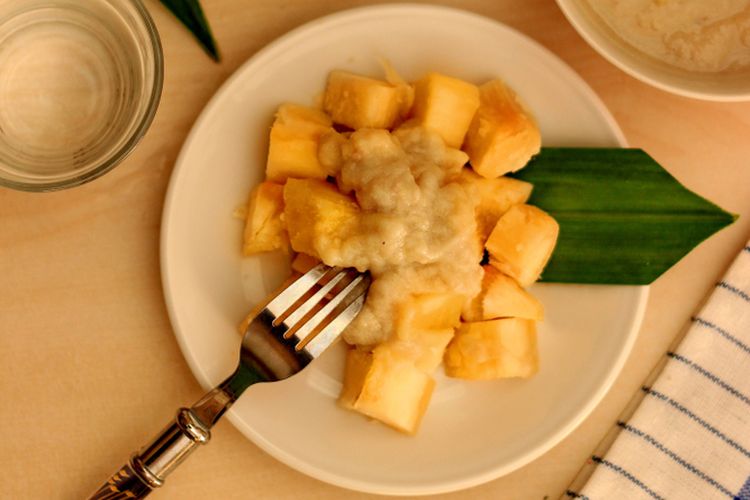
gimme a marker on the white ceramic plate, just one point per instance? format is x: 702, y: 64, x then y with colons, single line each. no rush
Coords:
x: 473, y: 431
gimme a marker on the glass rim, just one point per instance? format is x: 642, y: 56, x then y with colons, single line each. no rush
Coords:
x: 134, y: 138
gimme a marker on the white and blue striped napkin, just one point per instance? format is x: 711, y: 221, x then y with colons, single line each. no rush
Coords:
x: 689, y: 437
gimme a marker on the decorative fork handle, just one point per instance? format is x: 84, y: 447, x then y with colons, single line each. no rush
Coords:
x: 148, y: 468
x: 266, y: 354
x: 191, y: 428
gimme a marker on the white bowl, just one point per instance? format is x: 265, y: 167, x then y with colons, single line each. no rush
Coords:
x: 729, y: 86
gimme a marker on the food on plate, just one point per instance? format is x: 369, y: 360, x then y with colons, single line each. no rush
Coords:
x: 390, y: 192
x: 424, y: 327
x: 264, y: 230
x: 430, y: 311
x: 303, y: 263
x: 416, y: 231
x: 360, y: 102
x: 522, y: 243
x: 358, y: 363
x: 405, y: 89
x: 393, y: 390
x: 424, y: 347
x: 694, y: 35
x: 503, y: 136
x: 293, y: 146
x: 494, y: 197
x: 317, y: 216
x: 502, y: 297
x: 445, y: 105
x: 499, y: 348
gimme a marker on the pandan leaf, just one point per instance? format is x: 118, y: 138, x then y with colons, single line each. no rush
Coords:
x: 623, y: 219
x: 190, y: 13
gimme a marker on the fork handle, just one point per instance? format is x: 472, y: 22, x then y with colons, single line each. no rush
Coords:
x: 125, y: 483
x: 148, y: 468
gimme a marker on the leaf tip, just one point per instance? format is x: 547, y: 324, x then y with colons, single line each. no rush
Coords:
x: 191, y: 15
x: 214, y: 54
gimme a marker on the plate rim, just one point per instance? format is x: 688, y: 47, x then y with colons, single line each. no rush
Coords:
x: 280, y: 44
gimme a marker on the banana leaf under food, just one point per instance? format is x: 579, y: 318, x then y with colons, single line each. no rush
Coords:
x: 623, y: 218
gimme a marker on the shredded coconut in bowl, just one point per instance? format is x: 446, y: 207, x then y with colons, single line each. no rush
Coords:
x: 696, y: 35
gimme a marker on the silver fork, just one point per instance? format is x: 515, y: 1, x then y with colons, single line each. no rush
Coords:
x: 294, y: 327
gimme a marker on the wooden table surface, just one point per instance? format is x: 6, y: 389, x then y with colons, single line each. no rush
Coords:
x: 89, y: 366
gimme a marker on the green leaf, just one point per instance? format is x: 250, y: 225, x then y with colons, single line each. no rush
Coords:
x: 623, y: 219
x: 190, y: 13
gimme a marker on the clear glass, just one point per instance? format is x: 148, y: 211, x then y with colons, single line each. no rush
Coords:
x: 80, y: 81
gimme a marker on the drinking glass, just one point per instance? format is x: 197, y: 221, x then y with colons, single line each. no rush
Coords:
x: 80, y: 81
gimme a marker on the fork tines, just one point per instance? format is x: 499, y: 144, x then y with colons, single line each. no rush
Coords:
x: 312, y: 311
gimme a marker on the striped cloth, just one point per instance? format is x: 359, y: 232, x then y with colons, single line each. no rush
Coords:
x: 689, y: 437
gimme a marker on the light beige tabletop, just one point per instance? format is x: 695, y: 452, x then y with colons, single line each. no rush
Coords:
x: 90, y: 369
